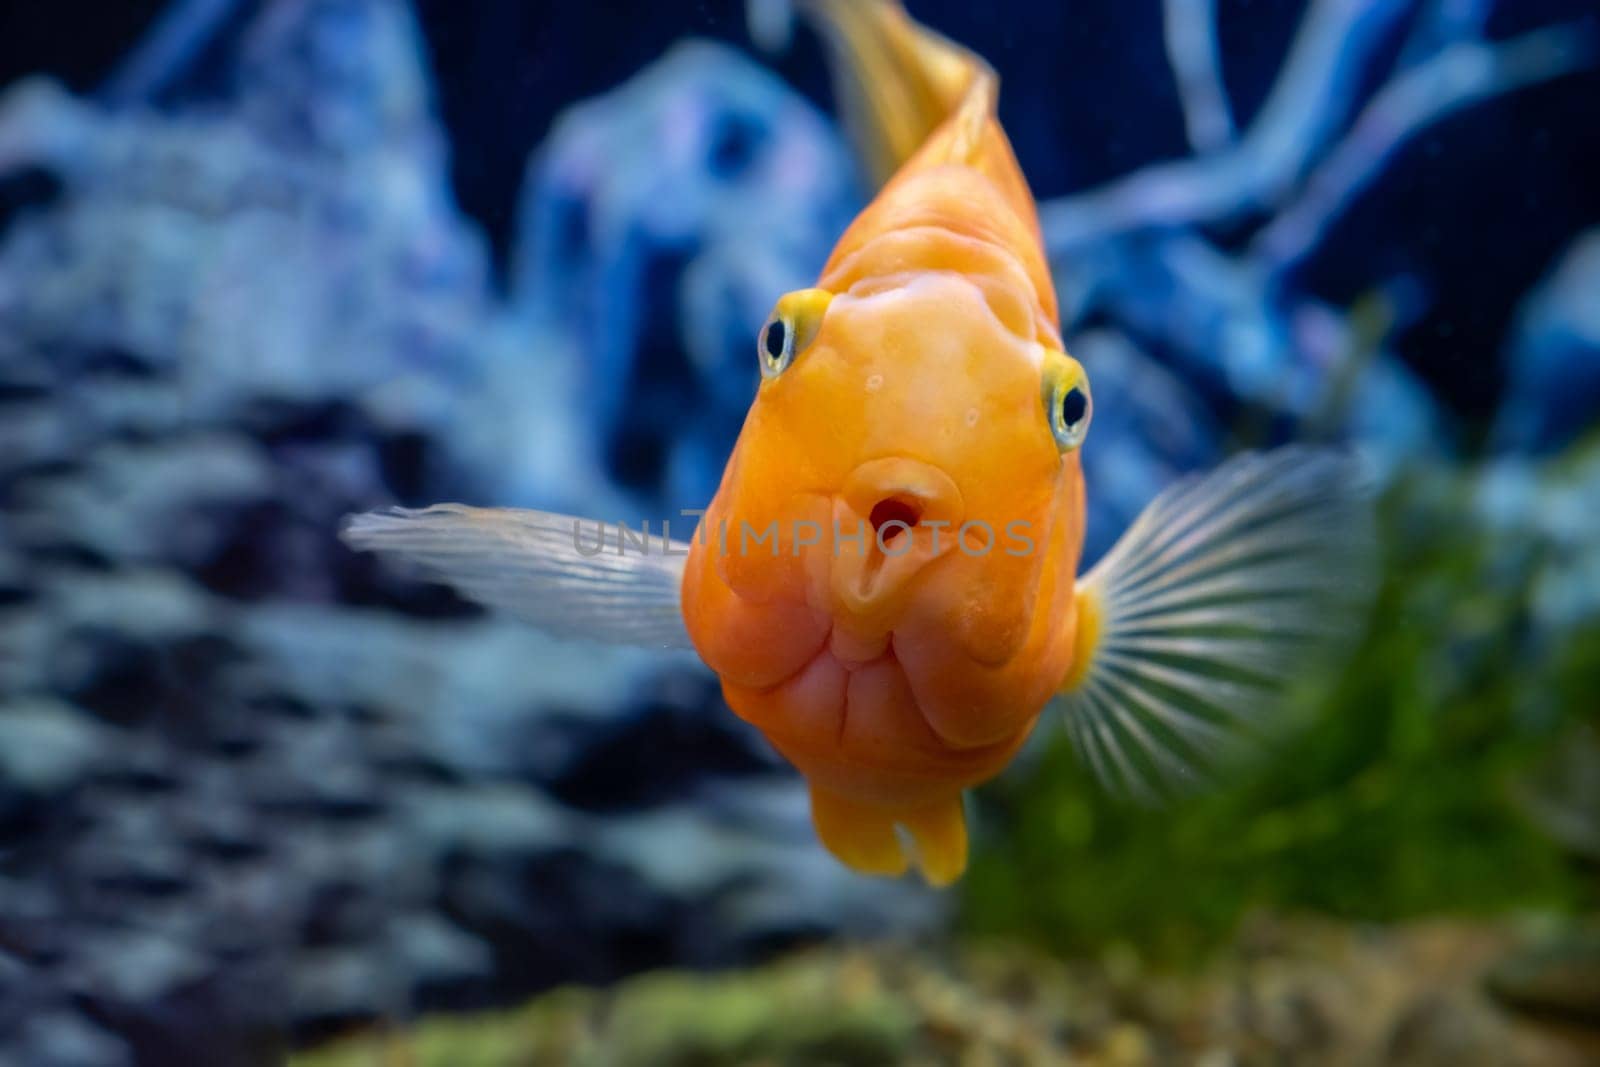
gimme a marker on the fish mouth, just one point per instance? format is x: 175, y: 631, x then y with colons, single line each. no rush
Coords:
x: 893, y: 517
x: 893, y: 489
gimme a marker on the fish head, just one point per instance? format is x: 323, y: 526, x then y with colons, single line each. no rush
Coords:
x: 896, y: 531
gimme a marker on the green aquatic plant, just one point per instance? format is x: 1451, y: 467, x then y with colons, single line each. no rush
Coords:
x: 1394, y: 797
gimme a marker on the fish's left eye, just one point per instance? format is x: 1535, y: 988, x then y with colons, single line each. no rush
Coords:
x: 1072, y: 415
x: 791, y: 328
x: 1068, y: 405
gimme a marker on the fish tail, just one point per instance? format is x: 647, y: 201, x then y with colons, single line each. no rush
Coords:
x: 897, y: 81
x: 1209, y: 608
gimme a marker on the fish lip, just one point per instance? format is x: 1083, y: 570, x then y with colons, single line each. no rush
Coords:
x: 899, y: 477
x: 921, y: 507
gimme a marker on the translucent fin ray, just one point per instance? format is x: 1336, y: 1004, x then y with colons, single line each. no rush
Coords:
x: 574, y: 578
x: 1208, y: 608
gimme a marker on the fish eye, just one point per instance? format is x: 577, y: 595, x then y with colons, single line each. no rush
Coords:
x: 776, y: 347
x: 1071, y: 422
x: 1068, y: 405
x: 791, y: 328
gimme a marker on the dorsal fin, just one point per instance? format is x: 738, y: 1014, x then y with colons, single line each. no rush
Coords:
x: 897, y: 81
x: 972, y: 118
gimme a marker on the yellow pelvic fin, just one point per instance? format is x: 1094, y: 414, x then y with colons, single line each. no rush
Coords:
x: 868, y: 839
x: 897, y: 81
x: 939, y: 834
x: 859, y: 837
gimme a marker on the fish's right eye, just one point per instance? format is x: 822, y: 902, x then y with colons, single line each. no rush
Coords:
x: 791, y: 329
x: 777, y: 347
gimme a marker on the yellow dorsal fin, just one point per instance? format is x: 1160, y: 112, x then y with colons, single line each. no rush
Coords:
x: 976, y: 109
x: 897, y: 81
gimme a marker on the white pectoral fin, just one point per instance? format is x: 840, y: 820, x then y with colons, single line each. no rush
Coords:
x: 1199, y: 618
x: 574, y: 578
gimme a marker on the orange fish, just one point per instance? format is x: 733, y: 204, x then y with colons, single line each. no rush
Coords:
x: 886, y: 581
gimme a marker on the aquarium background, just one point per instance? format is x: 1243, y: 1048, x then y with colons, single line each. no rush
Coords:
x: 263, y: 264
